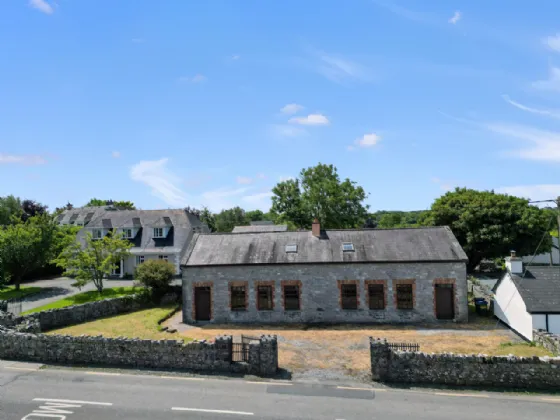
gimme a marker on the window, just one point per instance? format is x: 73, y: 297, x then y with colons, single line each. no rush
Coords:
x: 163, y: 257
x: 238, y: 302
x: 158, y: 232
x: 139, y: 259
x: 291, y: 298
x: 97, y: 234
x: 405, y: 296
x: 349, y: 296
x: 347, y: 246
x: 376, y: 295
x: 127, y: 233
x: 291, y: 248
x: 264, y: 298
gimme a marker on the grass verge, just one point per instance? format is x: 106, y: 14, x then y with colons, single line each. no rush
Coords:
x: 86, y: 297
x: 10, y: 292
x: 141, y: 324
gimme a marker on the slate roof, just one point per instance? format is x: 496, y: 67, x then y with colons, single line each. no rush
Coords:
x: 80, y: 215
x: 183, y: 225
x: 539, y: 289
x: 260, y: 228
x: 371, y: 245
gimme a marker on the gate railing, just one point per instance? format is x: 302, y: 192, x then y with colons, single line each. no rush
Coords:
x: 240, y: 351
x: 404, y: 346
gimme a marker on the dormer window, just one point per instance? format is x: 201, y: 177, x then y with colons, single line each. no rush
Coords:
x: 127, y: 233
x: 347, y: 247
x: 291, y: 248
x: 158, y: 232
x: 97, y: 234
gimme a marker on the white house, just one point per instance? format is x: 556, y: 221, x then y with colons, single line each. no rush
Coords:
x: 154, y: 234
x: 530, y: 301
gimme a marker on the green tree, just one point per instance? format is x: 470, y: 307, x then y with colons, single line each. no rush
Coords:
x: 155, y: 275
x: 206, y: 216
x: 10, y: 207
x: 391, y: 220
x: 319, y: 192
x: 254, y: 215
x: 26, y: 246
x: 226, y: 220
x: 123, y: 205
x: 489, y: 225
x: 94, y: 260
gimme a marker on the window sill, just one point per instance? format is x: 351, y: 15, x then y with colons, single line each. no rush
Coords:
x: 265, y: 310
x: 405, y: 309
x: 349, y: 309
x: 239, y: 310
x: 292, y: 310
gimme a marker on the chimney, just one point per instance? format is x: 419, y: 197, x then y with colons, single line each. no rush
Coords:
x: 514, y: 264
x: 316, y: 228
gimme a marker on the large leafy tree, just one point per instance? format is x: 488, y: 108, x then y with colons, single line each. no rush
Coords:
x: 123, y: 205
x: 31, y: 208
x: 26, y: 246
x: 490, y: 225
x: 206, y: 216
x: 226, y: 220
x: 10, y: 207
x: 320, y: 193
x: 95, y: 260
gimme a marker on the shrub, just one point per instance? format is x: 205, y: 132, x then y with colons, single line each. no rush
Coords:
x: 155, y: 275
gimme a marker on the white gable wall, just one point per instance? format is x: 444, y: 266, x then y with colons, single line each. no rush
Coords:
x: 510, y: 308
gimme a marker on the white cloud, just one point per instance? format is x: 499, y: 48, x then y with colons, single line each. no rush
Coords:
x: 455, y: 18
x: 22, y: 159
x: 543, y: 145
x: 311, y: 119
x: 338, y: 69
x: 402, y: 12
x: 532, y: 192
x: 547, y: 112
x: 443, y: 185
x: 244, y: 180
x: 261, y: 175
x: 163, y: 183
x: 42, y: 6
x: 553, y: 42
x: 116, y: 154
x: 367, y: 140
x: 285, y: 130
x: 260, y: 201
x: 235, y: 57
x: 552, y: 83
x: 291, y: 109
x: 286, y: 178
x: 197, y: 78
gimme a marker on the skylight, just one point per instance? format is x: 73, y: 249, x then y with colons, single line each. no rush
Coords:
x: 291, y: 248
x: 347, y: 246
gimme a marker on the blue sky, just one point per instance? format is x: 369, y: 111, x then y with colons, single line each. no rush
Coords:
x: 174, y: 103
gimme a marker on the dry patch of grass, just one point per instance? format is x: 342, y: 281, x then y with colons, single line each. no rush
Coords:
x: 346, y: 348
x: 141, y: 324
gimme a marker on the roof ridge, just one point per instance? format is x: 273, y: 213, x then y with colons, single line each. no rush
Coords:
x: 331, y: 230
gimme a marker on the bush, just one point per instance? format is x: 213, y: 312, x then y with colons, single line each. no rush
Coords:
x: 155, y: 275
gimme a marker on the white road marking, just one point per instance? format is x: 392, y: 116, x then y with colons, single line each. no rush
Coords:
x: 268, y: 383
x: 102, y: 373
x: 354, y: 388
x: 203, y: 410
x: 449, y: 394
x: 18, y: 368
x: 184, y: 378
x: 72, y: 401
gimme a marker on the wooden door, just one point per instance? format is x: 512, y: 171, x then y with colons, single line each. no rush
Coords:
x: 445, y: 301
x: 202, y: 303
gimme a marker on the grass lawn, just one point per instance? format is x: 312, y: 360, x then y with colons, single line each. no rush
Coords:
x: 11, y: 293
x: 86, y: 297
x: 141, y: 324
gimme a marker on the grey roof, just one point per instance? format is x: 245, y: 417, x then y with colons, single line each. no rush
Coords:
x: 260, y: 228
x: 539, y: 289
x: 371, y: 245
x: 80, y: 215
x: 182, y: 227
x: 261, y: 222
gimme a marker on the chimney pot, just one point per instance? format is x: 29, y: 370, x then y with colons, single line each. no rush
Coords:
x: 316, y: 228
x: 512, y: 253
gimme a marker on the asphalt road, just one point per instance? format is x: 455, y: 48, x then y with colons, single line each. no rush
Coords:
x: 27, y: 393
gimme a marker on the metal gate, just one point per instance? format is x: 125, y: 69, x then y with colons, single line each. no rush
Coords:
x: 240, y: 351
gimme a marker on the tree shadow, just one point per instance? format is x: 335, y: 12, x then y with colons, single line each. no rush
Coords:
x: 45, y: 293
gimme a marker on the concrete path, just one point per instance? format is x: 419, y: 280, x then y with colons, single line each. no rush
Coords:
x: 59, y: 288
x: 97, y: 394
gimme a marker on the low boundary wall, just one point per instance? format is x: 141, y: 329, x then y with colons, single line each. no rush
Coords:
x: 388, y: 365
x: 549, y: 341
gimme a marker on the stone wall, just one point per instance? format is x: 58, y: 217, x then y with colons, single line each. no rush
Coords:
x: 320, y: 291
x: 4, y: 305
x: 549, y: 341
x: 463, y: 370
x: 137, y: 353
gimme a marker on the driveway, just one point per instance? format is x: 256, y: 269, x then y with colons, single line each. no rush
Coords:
x: 59, y: 288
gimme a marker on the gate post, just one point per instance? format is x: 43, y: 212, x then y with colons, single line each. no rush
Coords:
x: 224, y: 348
x: 380, y: 354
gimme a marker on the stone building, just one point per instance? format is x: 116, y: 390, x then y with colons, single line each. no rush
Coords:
x: 331, y: 276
